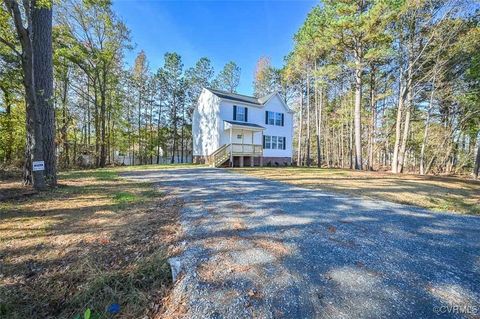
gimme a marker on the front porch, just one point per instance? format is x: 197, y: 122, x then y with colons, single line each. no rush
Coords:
x: 242, y: 145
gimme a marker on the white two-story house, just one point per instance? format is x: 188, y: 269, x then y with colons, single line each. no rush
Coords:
x: 237, y: 130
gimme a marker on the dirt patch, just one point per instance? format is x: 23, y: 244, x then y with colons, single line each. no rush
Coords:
x: 221, y: 266
x: 235, y: 206
x: 237, y: 224
x: 347, y: 243
x: 13, y: 189
x: 223, y: 243
x: 172, y: 309
x: 239, y: 208
x: 276, y: 248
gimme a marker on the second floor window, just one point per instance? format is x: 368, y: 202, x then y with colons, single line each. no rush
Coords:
x: 274, y: 118
x: 240, y: 113
x: 270, y: 118
x: 279, y: 119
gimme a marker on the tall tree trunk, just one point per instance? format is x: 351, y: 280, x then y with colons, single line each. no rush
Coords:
x: 327, y: 147
x: 300, y: 125
x: 43, y: 79
x: 318, y: 118
x: 406, y: 125
x: 373, y: 119
x: 426, y: 130
x: 65, y: 122
x: 174, y: 132
x: 158, y: 131
x: 318, y: 122
x: 308, y: 118
x: 139, y: 125
x: 476, y: 169
x: 103, y: 118
x: 96, y: 119
x: 342, y: 147
x: 182, y: 133
x: 74, y: 143
x: 9, y: 125
x: 398, y: 125
x: 112, y: 143
x: 350, y: 141
x: 34, y: 149
x: 358, y: 109
x: 89, y: 115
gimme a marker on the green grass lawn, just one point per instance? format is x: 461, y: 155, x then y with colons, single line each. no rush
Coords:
x: 434, y: 192
x: 96, y: 240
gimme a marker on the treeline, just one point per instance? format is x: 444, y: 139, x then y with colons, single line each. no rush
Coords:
x: 105, y: 111
x: 390, y: 85
x: 375, y: 84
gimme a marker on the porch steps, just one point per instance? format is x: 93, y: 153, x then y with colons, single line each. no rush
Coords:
x: 220, y: 156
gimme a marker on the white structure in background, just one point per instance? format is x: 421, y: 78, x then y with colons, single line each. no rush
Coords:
x: 240, y: 130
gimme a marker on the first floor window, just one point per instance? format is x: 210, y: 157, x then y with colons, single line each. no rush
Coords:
x: 274, y: 142
x: 267, y: 142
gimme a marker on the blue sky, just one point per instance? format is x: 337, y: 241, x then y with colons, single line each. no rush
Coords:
x: 241, y: 31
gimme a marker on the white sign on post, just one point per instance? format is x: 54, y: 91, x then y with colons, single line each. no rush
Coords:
x: 38, y: 166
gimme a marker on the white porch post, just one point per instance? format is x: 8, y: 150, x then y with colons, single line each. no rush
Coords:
x: 243, y: 137
x: 252, y: 158
x: 243, y: 148
x: 231, y: 146
x: 261, y: 156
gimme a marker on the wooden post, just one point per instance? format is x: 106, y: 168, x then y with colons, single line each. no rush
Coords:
x: 261, y: 156
x: 243, y: 137
x: 231, y: 146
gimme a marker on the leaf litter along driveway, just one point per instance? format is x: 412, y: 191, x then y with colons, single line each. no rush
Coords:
x: 264, y: 249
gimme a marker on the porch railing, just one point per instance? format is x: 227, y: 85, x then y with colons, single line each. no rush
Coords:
x: 223, y: 153
x: 246, y: 149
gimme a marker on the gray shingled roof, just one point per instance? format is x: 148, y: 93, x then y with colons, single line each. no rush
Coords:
x: 244, y: 124
x: 241, y: 97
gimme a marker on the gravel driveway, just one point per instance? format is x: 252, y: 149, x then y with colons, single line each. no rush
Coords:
x: 262, y: 249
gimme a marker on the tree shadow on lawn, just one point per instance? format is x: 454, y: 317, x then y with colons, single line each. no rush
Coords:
x: 92, y: 242
x: 461, y: 196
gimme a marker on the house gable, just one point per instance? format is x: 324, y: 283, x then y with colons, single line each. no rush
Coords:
x: 239, y: 99
x: 277, y: 98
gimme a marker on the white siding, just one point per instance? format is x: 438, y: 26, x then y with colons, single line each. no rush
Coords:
x: 206, y: 124
x: 276, y: 105
x: 226, y: 113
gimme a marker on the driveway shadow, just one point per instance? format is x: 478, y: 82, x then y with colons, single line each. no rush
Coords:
x: 280, y: 251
